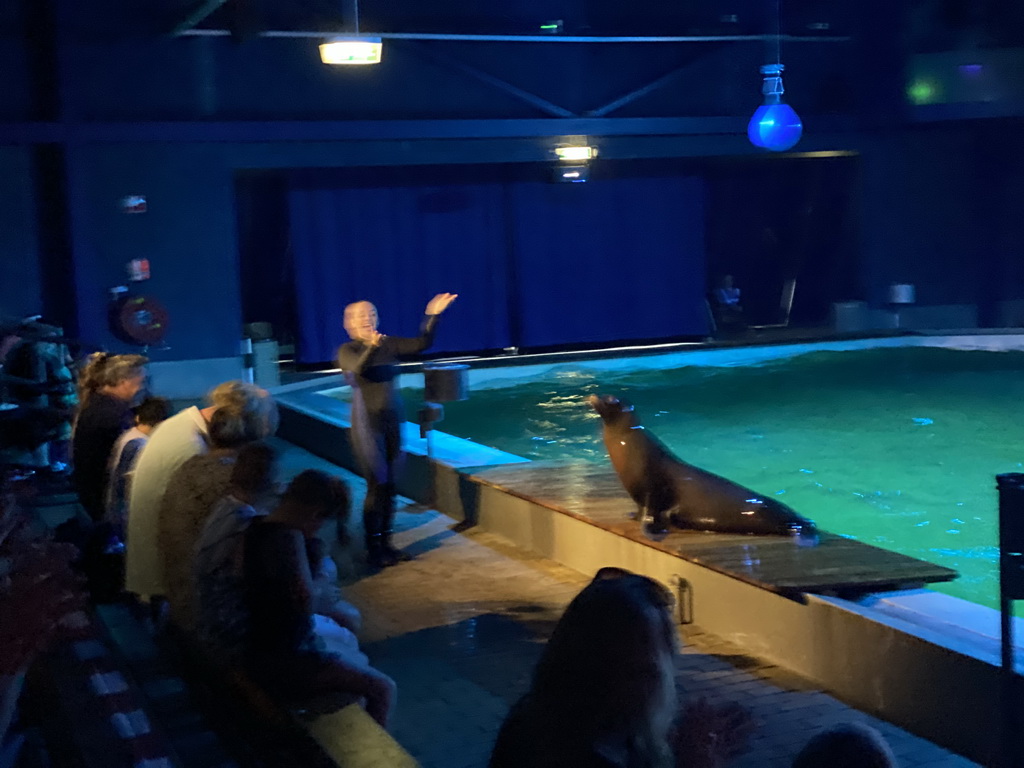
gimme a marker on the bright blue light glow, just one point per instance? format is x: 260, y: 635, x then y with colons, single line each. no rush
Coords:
x: 775, y: 127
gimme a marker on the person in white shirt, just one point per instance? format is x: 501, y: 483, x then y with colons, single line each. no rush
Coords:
x: 176, y: 440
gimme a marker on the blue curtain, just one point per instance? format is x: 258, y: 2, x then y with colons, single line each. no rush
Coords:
x: 609, y: 260
x: 536, y: 264
x: 397, y: 245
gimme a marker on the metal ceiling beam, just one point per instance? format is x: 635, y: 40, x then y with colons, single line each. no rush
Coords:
x: 651, y: 86
x: 633, y: 95
x: 202, y: 12
x: 451, y: 62
x: 527, y: 38
x: 262, y: 131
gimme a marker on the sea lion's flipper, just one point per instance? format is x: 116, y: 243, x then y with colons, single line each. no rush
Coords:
x: 679, y: 520
x: 656, y: 522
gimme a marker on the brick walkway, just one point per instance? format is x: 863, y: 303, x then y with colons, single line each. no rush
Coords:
x: 461, y: 626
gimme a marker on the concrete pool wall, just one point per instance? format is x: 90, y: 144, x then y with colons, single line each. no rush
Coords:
x: 919, y: 659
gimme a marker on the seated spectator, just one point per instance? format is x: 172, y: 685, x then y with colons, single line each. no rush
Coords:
x: 176, y: 440
x: 35, y: 373
x: 850, y: 745
x: 288, y: 649
x: 727, y: 294
x: 726, y: 309
x: 603, y: 693
x: 9, y: 339
x: 188, y: 500
x: 104, y: 415
x: 327, y: 600
x: 111, y: 383
x: 148, y: 414
x: 38, y: 588
x: 24, y: 433
x: 221, y: 618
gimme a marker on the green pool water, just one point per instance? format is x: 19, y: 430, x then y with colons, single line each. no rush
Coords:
x: 895, y: 447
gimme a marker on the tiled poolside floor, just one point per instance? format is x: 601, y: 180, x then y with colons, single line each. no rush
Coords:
x: 460, y: 627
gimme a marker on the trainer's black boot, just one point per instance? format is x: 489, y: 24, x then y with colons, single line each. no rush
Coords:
x: 377, y: 555
x: 396, y: 555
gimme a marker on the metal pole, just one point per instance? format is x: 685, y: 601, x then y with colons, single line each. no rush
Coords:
x: 1011, y: 588
x: 248, y: 373
x: 428, y: 415
x: 469, y: 38
x: 1009, y: 706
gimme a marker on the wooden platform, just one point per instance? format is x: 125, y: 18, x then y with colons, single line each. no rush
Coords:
x: 834, y: 564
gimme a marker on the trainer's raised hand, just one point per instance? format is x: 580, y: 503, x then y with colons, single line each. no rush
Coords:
x: 440, y: 303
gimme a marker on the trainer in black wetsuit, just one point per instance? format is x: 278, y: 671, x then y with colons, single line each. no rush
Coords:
x: 370, y: 363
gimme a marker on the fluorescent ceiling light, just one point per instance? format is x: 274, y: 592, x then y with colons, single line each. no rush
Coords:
x: 575, y: 154
x: 351, y: 50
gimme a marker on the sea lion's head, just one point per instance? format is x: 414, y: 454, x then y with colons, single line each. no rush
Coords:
x: 613, y: 412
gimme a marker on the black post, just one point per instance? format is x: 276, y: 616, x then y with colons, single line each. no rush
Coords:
x: 1011, y: 588
x: 1007, y: 704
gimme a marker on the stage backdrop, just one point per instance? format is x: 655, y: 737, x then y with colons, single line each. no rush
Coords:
x: 610, y: 260
x: 534, y: 264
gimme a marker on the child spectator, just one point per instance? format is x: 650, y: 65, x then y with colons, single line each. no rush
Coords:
x: 148, y: 414
x: 288, y: 649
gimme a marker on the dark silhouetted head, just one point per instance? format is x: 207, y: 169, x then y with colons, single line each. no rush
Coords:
x: 851, y: 745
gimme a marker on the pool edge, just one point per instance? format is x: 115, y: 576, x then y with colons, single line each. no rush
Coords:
x: 905, y: 672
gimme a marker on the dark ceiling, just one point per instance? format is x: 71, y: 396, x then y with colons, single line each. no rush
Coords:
x: 932, y: 23
x: 578, y: 17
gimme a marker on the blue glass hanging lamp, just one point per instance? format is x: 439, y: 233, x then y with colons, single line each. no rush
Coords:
x: 775, y: 125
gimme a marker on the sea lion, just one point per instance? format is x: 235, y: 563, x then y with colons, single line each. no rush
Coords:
x: 666, y: 488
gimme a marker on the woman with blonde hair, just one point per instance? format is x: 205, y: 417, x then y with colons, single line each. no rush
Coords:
x: 110, y: 384
x: 179, y: 438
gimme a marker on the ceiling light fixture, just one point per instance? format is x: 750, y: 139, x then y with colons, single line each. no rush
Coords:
x: 576, y: 154
x: 352, y: 49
